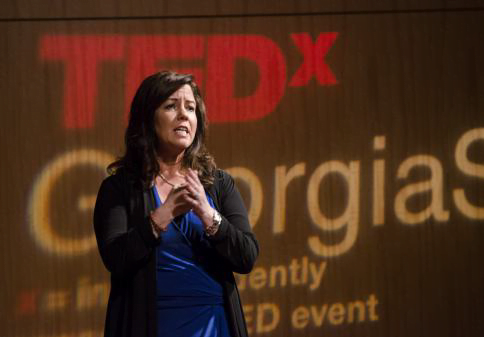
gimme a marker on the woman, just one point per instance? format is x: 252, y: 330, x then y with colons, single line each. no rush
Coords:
x: 171, y: 227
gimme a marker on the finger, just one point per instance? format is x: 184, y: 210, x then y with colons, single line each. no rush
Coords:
x: 193, y: 181
x: 193, y: 191
x: 191, y: 201
x: 190, y: 176
x: 178, y: 188
x: 181, y: 198
x: 176, y: 193
x: 194, y: 175
x: 198, y: 195
x: 182, y: 209
x: 185, y: 201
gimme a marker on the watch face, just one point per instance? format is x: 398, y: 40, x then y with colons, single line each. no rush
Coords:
x: 217, y: 219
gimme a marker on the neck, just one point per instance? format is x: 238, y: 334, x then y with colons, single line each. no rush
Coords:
x: 170, y: 165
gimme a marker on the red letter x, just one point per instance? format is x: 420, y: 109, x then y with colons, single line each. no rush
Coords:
x: 27, y: 302
x: 313, y: 59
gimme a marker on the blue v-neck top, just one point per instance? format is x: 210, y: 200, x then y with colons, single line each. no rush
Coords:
x: 189, y: 300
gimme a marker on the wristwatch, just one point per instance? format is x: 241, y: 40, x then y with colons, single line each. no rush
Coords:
x: 216, y: 221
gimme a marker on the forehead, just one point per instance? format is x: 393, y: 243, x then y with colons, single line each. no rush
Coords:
x: 185, y: 92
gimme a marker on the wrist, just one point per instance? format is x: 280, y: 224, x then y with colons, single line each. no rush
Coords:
x: 154, y: 226
x: 212, y: 229
x: 207, y: 217
x: 157, y: 224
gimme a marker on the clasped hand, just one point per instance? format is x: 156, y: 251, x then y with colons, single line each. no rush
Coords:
x: 181, y: 199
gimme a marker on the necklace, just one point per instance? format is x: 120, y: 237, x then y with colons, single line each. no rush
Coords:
x: 166, y: 180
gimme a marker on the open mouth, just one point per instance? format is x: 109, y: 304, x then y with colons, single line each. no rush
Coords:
x: 181, y: 131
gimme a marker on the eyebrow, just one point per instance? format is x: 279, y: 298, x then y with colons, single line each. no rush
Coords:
x: 176, y: 99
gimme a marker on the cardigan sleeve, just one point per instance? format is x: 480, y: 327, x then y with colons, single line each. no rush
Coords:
x: 124, y: 246
x: 234, y: 240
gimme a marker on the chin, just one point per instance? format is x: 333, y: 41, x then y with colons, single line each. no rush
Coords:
x: 182, y: 146
x: 179, y: 145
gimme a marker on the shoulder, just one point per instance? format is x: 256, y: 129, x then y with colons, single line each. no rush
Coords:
x: 119, y: 189
x: 116, y: 178
x: 119, y: 181
x: 220, y: 174
x: 220, y: 186
x: 112, y: 186
x: 222, y: 180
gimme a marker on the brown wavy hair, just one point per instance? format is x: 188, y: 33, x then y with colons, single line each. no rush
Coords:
x: 140, y: 137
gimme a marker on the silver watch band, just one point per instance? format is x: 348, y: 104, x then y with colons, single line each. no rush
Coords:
x: 216, y: 221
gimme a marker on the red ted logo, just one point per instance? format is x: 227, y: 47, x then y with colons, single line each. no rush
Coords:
x: 82, y: 55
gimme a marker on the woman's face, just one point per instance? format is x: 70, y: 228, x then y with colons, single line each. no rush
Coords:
x: 176, y: 121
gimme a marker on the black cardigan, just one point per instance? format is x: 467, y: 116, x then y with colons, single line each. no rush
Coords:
x: 127, y: 247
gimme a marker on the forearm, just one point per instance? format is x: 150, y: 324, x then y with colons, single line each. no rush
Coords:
x: 126, y: 251
x: 124, y: 241
x: 239, y: 248
x: 234, y: 240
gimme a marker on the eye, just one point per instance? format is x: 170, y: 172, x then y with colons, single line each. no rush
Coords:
x: 170, y: 106
x: 191, y: 108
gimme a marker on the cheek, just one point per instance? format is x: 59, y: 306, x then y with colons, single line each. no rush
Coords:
x: 195, y: 124
x: 162, y: 123
x: 158, y: 129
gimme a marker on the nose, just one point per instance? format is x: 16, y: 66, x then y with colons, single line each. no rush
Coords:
x: 182, y: 112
